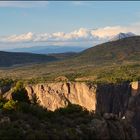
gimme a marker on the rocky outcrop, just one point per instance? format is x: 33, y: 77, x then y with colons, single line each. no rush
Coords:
x: 4, y: 89
x: 60, y: 94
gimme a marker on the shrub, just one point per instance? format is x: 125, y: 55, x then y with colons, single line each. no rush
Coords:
x: 71, y: 108
x: 20, y: 93
x: 10, y: 132
x: 10, y: 105
x: 35, y: 110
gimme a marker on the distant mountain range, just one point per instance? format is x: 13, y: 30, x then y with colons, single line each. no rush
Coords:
x: 48, y: 49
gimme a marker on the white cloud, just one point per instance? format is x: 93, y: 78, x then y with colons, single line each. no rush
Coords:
x: 109, y: 31
x: 78, y: 35
x: 23, y: 4
x: 21, y: 38
x: 81, y: 36
x: 17, y: 38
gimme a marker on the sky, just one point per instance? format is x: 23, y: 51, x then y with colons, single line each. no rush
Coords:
x: 71, y: 23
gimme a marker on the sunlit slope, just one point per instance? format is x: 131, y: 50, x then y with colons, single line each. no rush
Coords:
x: 127, y: 49
x: 109, y: 61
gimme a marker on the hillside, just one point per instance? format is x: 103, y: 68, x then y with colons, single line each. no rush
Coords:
x: 62, y: 56
x: 107, y: 62
x: 12, y: 58
x: 127, y: 49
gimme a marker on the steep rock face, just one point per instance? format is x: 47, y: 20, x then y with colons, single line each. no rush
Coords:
x: 133, y: 111
x: 104, y: 98
x: 59, y: 94
x: 122, y: 100
x: 113, y: 98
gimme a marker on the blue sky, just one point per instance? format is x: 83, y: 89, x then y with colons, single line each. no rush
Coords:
x: 31, y: 23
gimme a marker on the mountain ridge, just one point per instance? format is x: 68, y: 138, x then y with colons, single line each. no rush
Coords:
x: 48, y: 49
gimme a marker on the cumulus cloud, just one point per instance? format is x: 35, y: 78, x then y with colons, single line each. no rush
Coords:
x: 21, y: 38
x: 81, y: 35
x: 109, y: 31
x: 17, y: 38
x: 78, y: 35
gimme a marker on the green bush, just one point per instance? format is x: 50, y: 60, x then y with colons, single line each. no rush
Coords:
x: 19, y: 93
x: 10, y: 105
x: 34, y: 110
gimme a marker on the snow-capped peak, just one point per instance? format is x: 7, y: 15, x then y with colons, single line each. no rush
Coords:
x: 122, y: 35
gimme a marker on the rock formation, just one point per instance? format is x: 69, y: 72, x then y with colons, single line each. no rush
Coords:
x: 59, y: 94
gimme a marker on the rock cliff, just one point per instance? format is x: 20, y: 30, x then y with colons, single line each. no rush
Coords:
x: 113, y: 98
x: 59, y: 94
x: 104, y: 98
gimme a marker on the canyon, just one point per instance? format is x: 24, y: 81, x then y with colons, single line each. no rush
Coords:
x: 111, y: 101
